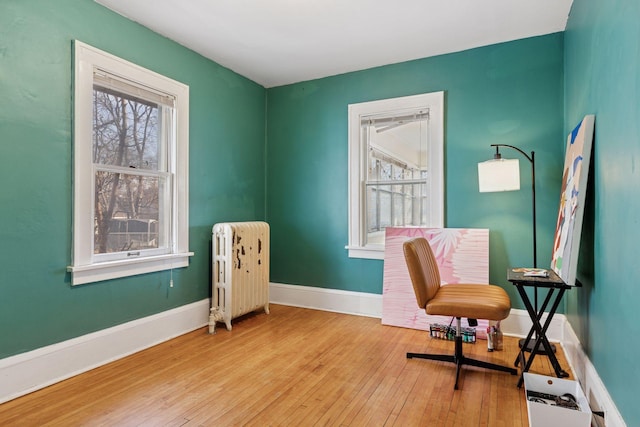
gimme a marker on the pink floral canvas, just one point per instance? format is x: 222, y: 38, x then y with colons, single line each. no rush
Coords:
x: 463, y: 257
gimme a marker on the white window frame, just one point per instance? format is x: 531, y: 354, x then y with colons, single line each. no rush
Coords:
x: 86, y: 267
x: 434, y: 102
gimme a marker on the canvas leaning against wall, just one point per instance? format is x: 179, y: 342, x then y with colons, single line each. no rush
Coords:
x: 462, y: 255
x: 566, y: 243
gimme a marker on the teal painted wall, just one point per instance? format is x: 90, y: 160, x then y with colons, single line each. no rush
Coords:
x: 513, y: 93
x: 602, y: 57
x: 510, y: 93
x: 37, y: 304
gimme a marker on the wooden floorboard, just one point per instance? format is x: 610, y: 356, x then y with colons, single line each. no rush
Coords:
x: 292, y: 367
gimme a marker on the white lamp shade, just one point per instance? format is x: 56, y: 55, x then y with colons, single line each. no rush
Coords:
x: 499, y: 175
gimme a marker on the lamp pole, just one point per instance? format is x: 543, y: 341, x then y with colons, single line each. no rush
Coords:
x: 532, y: 160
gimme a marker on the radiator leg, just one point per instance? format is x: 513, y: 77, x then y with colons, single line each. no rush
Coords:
x: 266, y: 308
x: 215, y: 316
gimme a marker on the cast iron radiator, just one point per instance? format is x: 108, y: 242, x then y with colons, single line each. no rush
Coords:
x: 240, y: 270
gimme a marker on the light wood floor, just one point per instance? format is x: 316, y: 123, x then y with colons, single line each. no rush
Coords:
x: 293, y: 367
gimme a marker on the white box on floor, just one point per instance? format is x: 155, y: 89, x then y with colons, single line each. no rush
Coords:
x: 548, y: 414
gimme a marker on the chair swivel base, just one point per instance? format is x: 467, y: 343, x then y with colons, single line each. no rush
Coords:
x: 459, y: 359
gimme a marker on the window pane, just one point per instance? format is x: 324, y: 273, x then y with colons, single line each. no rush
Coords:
x: 391, y: 204
x: 385, y: 206
x: 397, y: 213
x: 373, y: 223
x: 393, y: 142
x: 126, y: 212
x: 394, y: 205
x: 126, y: 131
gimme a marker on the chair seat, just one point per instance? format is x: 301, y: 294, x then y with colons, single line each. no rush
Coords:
x: 472, y: 301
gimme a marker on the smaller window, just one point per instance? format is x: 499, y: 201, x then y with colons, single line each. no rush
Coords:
x: 130, y: 169
x: 395, y: 169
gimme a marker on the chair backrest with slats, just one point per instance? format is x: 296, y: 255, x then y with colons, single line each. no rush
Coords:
x: 423, y: 269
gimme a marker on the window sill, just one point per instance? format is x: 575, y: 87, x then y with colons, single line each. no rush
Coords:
x: 366, y: 252
x: 81, y: 274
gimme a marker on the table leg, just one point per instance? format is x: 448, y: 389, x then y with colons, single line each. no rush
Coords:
x: 534, y: 318
x: 538, y: 317
x: 540, y: 333
x: 522, y: 359
x: 560, y: 373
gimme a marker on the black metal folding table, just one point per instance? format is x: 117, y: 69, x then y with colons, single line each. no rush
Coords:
x: 552, y: 283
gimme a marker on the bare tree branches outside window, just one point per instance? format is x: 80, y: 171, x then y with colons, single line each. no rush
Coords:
x: 127, y: 159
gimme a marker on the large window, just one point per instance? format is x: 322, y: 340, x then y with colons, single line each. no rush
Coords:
x: 130, y: 169
x: 395, y: 169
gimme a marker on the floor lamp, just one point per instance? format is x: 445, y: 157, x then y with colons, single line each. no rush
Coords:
x: 501, y: 174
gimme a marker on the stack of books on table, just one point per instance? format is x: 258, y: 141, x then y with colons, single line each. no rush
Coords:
x: 532, y: 272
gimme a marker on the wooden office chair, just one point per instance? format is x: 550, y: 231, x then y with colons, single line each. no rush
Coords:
x: 456, y: 300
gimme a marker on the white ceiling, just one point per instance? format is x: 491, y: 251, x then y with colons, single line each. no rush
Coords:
x: 277, y: 42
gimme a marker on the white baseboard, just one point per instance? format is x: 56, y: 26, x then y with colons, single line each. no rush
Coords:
x: 27, y: 372
x: 347, y: 302
x: 517, y: 324
x: 590, y: 381
x: 370, y: 305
